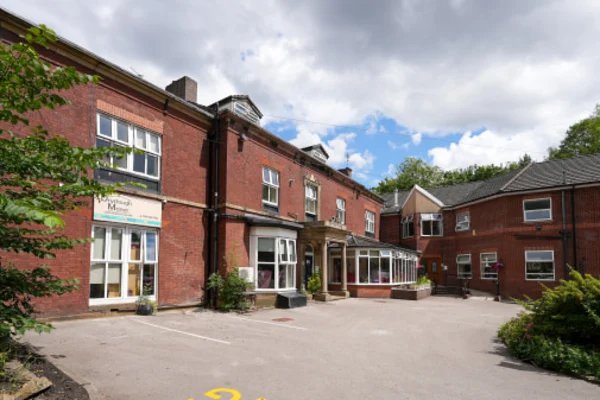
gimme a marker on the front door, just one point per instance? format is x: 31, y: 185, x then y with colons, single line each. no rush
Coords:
x: 434, y: 269
x: 308, y: 266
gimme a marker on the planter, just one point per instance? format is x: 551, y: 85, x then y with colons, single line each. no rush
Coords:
x: 407, y: 293
x: 145, y: 309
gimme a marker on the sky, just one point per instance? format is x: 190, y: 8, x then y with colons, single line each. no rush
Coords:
x: 453, y: 82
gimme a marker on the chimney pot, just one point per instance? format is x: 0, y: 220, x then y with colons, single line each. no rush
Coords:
x: 346, y: 171
x: 184, y: 87
x: 396, y: 197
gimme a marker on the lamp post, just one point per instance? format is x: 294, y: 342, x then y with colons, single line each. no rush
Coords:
x: 497, y: 267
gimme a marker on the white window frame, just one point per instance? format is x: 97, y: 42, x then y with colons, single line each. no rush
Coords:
x: 549, y: 209
x: 340, y: 211
x: 271, y: 183
x: 401, y: 265
x: 432, y: 219
x: 369, y: 221
x: 124, y: 261
x: 406, y: 221
x: 280, y: 260
x: 463, y: 221
x: 311, y: 199
x: 482, y: 263
x: 460, y: 262
x: 527, y: 274
x: 132, y: 134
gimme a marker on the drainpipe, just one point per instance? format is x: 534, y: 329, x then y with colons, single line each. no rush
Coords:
x: 213, y: 259
x: 577, y: 267
x: 564, y: 234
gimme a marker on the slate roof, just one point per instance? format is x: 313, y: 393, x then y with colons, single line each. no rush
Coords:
x: 354, y: 241
x: 547, y: 174
x: 388, y: 199
x: 543, y: 175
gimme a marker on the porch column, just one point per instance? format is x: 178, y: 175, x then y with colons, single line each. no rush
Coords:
x: 324, y: 267
x: 344, y: 269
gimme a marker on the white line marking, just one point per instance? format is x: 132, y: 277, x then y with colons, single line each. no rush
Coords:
x: 183, y: 332
x: 272, y: 323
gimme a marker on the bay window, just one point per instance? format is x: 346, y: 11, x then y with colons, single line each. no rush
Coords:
x: 275, y: 263
x: 408, y: 226
x: 124, y: 263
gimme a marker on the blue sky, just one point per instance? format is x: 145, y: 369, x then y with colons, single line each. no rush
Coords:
x: 454, y: 82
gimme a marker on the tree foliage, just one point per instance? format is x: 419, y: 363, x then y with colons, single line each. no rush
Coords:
x: 41, y: 176
x: 414, y: 171
x: 581, y: 138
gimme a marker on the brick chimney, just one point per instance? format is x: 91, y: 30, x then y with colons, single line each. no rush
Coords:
x: 346, y: 171
x: 184, y: 87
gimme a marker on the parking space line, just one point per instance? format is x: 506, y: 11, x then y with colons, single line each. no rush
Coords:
x: 182, y: 332
x: 299, y: 328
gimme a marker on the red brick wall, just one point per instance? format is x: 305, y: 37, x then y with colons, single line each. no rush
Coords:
x: 497, y: 226
x: 390, y: 229
x: 184, y: 163
x: 242, y: 166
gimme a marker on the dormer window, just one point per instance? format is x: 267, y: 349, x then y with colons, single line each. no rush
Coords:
x: 245, y: 111
x: 317, y: 151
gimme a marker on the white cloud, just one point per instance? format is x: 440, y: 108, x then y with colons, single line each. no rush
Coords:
x: 416, y: 138
x: 486, y: 147
x: 524, y: 70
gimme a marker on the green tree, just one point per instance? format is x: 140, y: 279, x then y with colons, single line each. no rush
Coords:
x: 41, y: 178
x: 414, y: 171
x: 580, y: 139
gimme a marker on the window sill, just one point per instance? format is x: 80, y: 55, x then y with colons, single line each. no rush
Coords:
x: 541, y: 279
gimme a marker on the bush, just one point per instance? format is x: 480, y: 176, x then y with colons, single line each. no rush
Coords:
x: 549, y: 353
x: 230, y: 291
x: 561, y: 330
x: 314, y: 283
x: 570, y: 312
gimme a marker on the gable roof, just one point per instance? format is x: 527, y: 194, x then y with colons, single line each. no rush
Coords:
x: 238, y: 97
x: 317, y: 146
x: 535, y: 176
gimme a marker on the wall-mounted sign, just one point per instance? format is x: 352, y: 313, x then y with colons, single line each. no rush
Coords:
x: 128, y: 210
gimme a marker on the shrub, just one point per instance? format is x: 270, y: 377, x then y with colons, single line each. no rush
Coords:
x: 561, y: 330
x: 423, y: 280
x: 549, y: 353
x: 570, y: 312
x: 314, y: 283
x: 230, y: 290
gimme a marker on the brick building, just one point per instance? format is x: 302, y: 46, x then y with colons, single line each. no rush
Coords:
x: 219, y: 192
x: 522, y: 228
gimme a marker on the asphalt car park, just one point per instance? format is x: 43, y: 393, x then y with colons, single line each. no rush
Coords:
x: 437, y: 348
